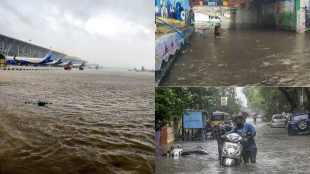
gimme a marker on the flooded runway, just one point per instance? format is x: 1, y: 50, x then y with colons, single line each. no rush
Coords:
x: 97, y: 122
x: 243, y: 57
x: 277, y: 153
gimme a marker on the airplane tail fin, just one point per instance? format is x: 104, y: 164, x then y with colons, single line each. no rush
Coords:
x: 60, y: 61
x: 48, y: 57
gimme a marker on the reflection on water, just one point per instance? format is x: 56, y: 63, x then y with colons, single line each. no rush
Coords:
x: 98, y: 122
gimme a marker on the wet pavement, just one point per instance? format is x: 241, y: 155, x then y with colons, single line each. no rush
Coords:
x: 97, y: 122
x: 243, y: 57
x: 277, y: 153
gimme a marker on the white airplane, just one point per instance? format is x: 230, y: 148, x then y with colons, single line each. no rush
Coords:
x: 13, y: 60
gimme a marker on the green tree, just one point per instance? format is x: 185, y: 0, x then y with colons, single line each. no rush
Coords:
x: 170, y: 103
x: 270, y: 101
x: 2, y: 56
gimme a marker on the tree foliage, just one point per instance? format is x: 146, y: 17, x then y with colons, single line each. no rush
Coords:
x: 170, y: 103
x: 269, y: 101
x: 2, y: 56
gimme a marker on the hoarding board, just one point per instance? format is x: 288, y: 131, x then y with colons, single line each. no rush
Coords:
x: 193, y: 120
x: 173, y: 9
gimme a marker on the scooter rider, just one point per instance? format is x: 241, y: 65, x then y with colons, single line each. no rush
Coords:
x: 248, y: 132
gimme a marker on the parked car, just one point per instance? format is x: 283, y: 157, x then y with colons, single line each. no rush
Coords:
x: 278, y: 120
x: 299, y: 123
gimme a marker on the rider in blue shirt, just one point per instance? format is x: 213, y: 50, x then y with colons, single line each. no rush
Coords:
x: 248, y: 131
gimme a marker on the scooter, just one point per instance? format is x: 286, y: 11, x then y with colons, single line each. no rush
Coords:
x: 232, y: 149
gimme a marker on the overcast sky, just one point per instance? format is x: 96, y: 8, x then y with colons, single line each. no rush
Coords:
x: 118, y: 33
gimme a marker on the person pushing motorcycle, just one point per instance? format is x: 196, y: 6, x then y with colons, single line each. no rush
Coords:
x: 248, y: 132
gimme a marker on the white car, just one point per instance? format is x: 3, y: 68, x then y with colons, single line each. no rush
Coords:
x: 278, y: 120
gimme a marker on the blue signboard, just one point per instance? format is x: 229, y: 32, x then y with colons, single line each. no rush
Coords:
x: 193, y: 120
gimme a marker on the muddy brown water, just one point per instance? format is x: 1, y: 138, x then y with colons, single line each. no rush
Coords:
x: 243, y: 57
x: 277, y: 153
x: 98, y: 122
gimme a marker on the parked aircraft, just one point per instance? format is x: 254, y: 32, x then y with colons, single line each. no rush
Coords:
x: 14, y: 60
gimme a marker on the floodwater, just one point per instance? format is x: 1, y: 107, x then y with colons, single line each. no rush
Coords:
x: 243, y: 57
x: 96, y: 122
x: 277, y: 153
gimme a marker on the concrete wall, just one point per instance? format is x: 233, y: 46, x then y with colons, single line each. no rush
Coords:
x: 245, y: 17
x: 285, y: 14
x: 266, y: 15
x: 301, y: 6
x: 290, y: 14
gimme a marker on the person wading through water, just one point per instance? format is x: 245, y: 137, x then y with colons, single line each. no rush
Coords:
x: 218, y: 131
x: 254, y: 118
x: 248, y: 131
x: 217, y: 30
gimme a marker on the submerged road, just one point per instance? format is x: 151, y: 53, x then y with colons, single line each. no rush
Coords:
x: 277, y: 153
x: 246, y: 57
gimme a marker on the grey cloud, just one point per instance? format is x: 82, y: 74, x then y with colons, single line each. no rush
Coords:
x: 37, y: 19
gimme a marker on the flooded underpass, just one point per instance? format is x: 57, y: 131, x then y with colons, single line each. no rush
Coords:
x: 243, y: 57
x: 95, y: 122
x: 277, y: 153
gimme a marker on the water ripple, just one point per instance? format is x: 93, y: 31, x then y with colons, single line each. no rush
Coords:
x: 97, y: 123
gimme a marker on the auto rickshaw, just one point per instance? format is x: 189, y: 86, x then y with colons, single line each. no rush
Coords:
x: 218, y: 120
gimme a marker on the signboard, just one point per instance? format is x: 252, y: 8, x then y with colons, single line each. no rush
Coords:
x: 224, y: 101
x: 235, y: 3
x: 214, y: 2
x: 193, y: 120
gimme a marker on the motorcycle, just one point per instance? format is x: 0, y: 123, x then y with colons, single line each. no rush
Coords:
x: 232, y: 149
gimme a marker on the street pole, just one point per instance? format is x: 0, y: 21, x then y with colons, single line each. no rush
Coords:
x: 183, y: 127
x: 302, y: 98
x: 30, y: 55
